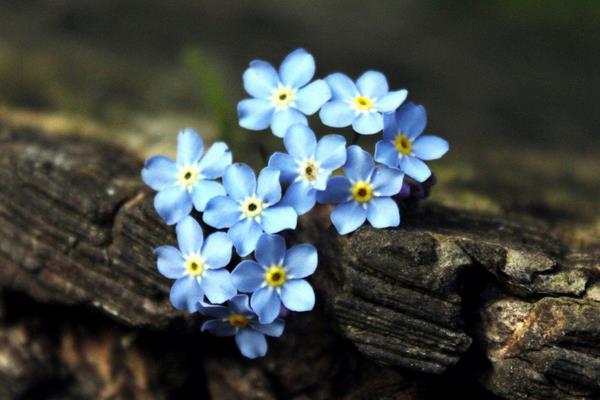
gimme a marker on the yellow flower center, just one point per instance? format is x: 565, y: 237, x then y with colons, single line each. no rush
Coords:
x: 309, y: 170
x: 362, y: 192
x: 362, y: 103
x: 194, y: 266
x: 282, y: 97
x: 252, y: 207
x: 238, y: 320
x: 403, y: 144
x: 275, y: 276
x: 188, y: 175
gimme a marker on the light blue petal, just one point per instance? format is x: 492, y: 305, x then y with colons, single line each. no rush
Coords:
x: 268, y: 187
x: 189, y: 236
x: 190, y: 147
x: 260, y: 79
x: 244, y: 236
x: 372, y: 84
x: 217, y: 285
x: 386, y: 153
x: 170, y: 262
x: 286, y: 165
x: 255, y: 114
x: 331, y: 152
x: 322, y: 179
x: 159, y: 173
x: 429, y: 147
x: 212, y: 310
x: 252, y: 344
x: 297, y: 69
x: 337, y: 114
x: 239, y: 181
x: 387, y: 181
x: 390, y: 128
x: 283, y: 119
x: 215, y: 161
x: 275, y: 219
x: 222, y: 212
x: 248, y: 276
x: 173, y: 204
x: 411, y: 119
x: 298, y: 295
x: 311, y: 97
x: 300, y: 142
x: 301, y: 196
x: 274, y: 329
x: 368, y: 124
x: 415, y: 168
x: 270, y: 250
x: 204, y: 191
x: 348, y: 217
x: 217, y: 250
x: 240, y: 304
x: 266, y: 304
x: 382, y: 212
x: 359, y: 164
x: 391, y: 101
x: 301, y: 261
x: 218, y: 328
x: 185, y: 293
x: 342, y: 87
x: 338, y: 191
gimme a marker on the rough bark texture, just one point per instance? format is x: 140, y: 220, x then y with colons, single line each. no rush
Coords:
x: 453, y: 302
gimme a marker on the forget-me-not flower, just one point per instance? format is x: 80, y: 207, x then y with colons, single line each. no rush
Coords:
x: 404, y: 147
x: 277, y: 277
x: 189, y: 180
x: 362, y: 104
x: 307, y: 165
x: 250, y: 208
x: 364, y: 193
x: 198, y: 266
x: 281, y: 99
x: 237, y: 319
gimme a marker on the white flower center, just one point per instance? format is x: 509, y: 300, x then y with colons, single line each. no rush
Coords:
x: 188, y: 175
x: 252, y: 207
x: 283, y: 97
x: 309, y: 170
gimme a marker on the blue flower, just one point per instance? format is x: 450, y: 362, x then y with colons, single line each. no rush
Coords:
x: 189, y: 180
x: 360, y: 104
x: 364, y: 193
x: 250, y: 208
x: 281, y: 99
x: 402, y: 146
x: 238, y: 319
x: 198, y: 266
x: 308, y: 165
x: 277, y: 277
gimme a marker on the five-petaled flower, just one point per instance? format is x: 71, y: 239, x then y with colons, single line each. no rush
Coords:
x: 362, y: 104
x: 277, y: 277
x: 403, y: 146
x: 364, y: 193
x: 198, y: 266
x: 250, y: 208
x: 189, y: 180
x: 308, y: 165
x: 237, y: 319
x: 281, y: 99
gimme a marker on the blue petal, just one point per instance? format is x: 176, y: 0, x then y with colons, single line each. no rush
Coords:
x: 386, y: 153
x: 275, y: 219
x: 239, y: 181
x: 189, y: 236
x: 248, y: 276
x: 217, y: 285
x: 255, y: 114
x: 270, y: 250
x: 283, y: 119
x: 337, y: 114
x: 342, y: 87
x: 244, y: 236
x: 300, y: 142
x: 185, y: 293
x: 218, y: 328
x: 348, y: 217
x: 260, y: 79
x: 301, y: 261
x: 391, y: 101
x: 217, y: 250
x: 252, y: 344
x: 286, y: 165
x: 204, y: 191
x: 170, y: 262
x: 390, y: 127
x: 301, y: 196
x: 159, y: 173
x: 368, y: 124
x: 297, y: 69
x: 173, y: 204
x: 275, y: 328
x: 359, y: 164
x: 387, y: 181
x: 215, y: 161
x: 212, y: 310
x: 240, y: 304
x: 268, y: 187
x: 311, y: 97
x: 298, y: 295
x: 189, y: 147
x: 338, y: 190
x: 372, y: 84
x: 320, y: 183
x: 415, y: 168
x: 429, y: 147
x: 411, y: 119
x: 222, y: 212
x: 382, y: 212
x: 331, y: 152
x: 266, y: 304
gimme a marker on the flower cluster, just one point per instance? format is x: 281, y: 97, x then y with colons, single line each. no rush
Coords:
x: 249, y: 297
